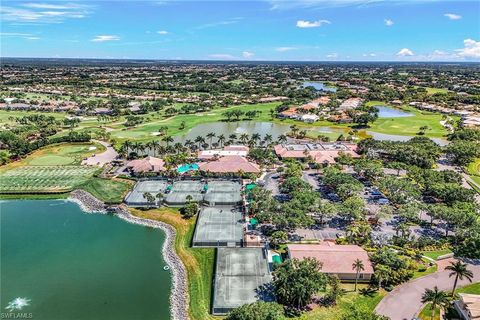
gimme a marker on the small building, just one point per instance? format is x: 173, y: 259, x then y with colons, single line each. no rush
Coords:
x: 336, y: 259
x: 231, y: 150
x: 309, y: 118
x: 322, y: 153
x: 351, y: 103
x: 468, y: 306
x: 230, y: 164
x: 148, y: 164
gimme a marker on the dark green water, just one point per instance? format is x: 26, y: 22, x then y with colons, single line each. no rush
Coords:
x: 73, y: 265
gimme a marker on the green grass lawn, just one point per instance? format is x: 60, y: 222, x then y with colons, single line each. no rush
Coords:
x: 198, y: 262
x: 107, y: 190
x: 145, y: 131
x: 7, y: 117
x: 44, y: 179
x: 61, y: 154
x: 435, y: 254
x: 474, y: 167
x: 351, y: 298
x: 472, y: 289
x: 429, y: 270
x: 409, y: 125
x: 426, y: 313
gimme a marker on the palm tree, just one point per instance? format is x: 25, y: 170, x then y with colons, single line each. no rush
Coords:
x: 460, y: 271
x: 188, y: 143
x: 154, y: 146
x: 221, y: 139
x: 244, y: 138
x: 282, y: 139
x: 357, y: 266
x: 382, y: 273
x: 210, y: 136
x: 436, y: 298
x: 232, y: 137
x: 199, y: 140
x: 268, y: 139
x: 167, y: 139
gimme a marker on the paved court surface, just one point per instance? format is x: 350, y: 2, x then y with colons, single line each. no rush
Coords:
x: 239, y: 276
x: 405, y: 301
x: 219, y: 226
x: 222, y: 192
x: 135, y: 197
x: 101, y: 159
x: 185, y: 189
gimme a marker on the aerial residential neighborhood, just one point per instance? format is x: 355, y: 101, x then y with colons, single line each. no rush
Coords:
x: 240, y: 160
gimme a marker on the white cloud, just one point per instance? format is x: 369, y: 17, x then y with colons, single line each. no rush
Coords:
x: 369, y: 54
x: 332, y: 55
x: 103, y: 38
x: 220, y: 23
x: 319, y: 4
x: 52, y: 6
x: 388, y: 22
x: 163, y: 32
x: 311, y: 24
x: 471, y: 49
x: 44, y: 12
x: 27, y: 36
x: 453, y: 16
x: 247, y: 54
x: 221, y: 56
x: 284, y: 49
x: 405, y: 52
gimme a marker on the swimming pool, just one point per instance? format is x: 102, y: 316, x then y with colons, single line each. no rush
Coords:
x: 187, y: 167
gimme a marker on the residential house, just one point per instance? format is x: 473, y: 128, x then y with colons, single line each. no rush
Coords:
x: 335, y: 259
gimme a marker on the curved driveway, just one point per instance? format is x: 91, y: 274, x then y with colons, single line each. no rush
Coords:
x: 405, y: 301
x: 102, y: 158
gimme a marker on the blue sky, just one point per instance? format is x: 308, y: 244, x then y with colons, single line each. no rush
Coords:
x: 303, y: 30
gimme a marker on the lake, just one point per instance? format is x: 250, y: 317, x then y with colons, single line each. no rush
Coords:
x: 389, y: 112
x: 320, y: 86
x: 71, y: 265
x: 248, y: 127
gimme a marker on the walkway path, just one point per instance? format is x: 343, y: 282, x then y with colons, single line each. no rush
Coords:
x: 404, y: 302
x: 101, y: 159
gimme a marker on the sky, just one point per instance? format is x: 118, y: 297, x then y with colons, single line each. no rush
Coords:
x: 273, y: 30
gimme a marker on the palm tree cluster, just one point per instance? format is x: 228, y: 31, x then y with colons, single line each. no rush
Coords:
x: 166, y: 145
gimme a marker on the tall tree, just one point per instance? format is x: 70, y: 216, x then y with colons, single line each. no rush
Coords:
x: 460, y: 271
x: 436, y: 298
x: 357, y: 266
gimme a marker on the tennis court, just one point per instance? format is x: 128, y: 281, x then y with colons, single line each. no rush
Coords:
x: 219, y: 227
x: 181, y: 190
x: 240, y: 275
x: 135, y: 197
x: 223, y: 192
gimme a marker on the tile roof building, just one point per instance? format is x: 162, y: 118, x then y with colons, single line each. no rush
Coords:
x: 148, y: 164
x: 230, y: 164
x: 335, y: 259
x: 322, y: 153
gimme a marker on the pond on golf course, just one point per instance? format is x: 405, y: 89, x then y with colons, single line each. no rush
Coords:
x: 249, y: 127
x: 319, y: 86
x: 389, y: 112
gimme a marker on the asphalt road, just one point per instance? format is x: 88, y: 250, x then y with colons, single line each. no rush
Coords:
x: 404, y: 302
x: 102, y: 158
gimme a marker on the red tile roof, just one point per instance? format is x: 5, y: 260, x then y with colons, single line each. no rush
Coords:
x: 334, y: 258
x: 148, y: 164
x: 230, y: 164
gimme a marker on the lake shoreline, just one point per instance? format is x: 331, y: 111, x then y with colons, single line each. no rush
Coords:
x: 179, y: 295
